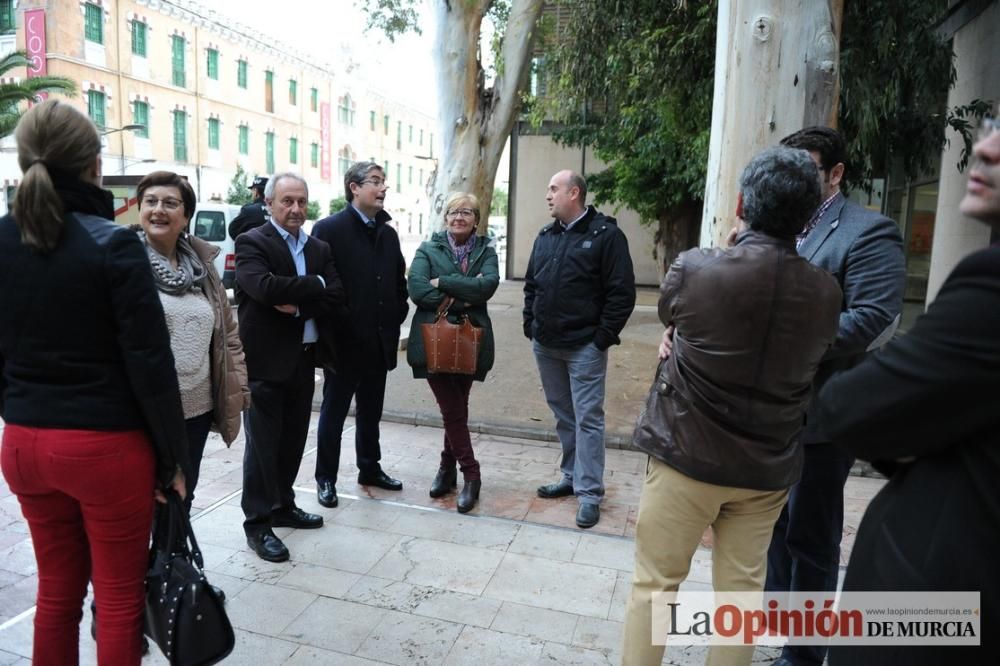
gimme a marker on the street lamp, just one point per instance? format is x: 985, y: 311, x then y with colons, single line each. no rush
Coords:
x: 135, y: 127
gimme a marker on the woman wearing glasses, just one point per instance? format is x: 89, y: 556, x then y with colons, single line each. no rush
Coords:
x: 454, y: 263
x: 204, y: 338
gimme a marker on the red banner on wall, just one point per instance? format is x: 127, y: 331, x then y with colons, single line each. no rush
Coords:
x: 34, y: 41
x: 324, y: 137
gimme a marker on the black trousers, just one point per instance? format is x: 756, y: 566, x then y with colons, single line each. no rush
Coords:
x: 367, y: 387
x: 805, y: 547
x: 276, y: 426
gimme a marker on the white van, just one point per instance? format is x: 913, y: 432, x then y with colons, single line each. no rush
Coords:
x: 211, y: 224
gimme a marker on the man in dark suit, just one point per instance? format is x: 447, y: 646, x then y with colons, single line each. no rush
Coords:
x: 253, y: 214
x: 366, y: 250
x: 864, y: 252
x: 286, y: 281
x: 924, y: 411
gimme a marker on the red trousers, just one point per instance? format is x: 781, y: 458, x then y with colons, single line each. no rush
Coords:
x: 88, y: 500
x: 452, y: 395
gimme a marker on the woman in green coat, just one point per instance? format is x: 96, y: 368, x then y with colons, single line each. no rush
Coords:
x: 455, y: 262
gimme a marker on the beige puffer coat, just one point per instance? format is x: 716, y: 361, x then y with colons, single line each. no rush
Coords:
x: 230, y: 392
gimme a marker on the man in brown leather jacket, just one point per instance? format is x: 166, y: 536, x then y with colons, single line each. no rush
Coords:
x: 749, y: 326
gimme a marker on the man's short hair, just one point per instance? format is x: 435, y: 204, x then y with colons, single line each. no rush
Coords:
x: 781, y: 191
x: 357, y: 174
x: 578, y: 181
x: 273, y: 183
x: 828, y: 143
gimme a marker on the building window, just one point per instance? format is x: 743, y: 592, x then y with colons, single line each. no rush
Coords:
x: 293, y: 92
x: 139, y: 38
x: 244, y: 141
x: 313, y: 99
x: 293, y: 150
x: 213, y: 64
x: 241, y: 73
x: 314, y: 155
x: 421, y: 137
x: 431, y: 144
x: 95, y: 107
x: 399, y: 136
x: 345, y: 110
x: 269, y: 96
x: 344, y: 159
x: 386, y: 168
x: 269, y: 152
x: 177, y: 50
x: 399, y: 177
x: 180, y: 136
x: 371, y: 120
x: 7, y: 16
x: 411, y: 134
x: 213, y: 133
x: 420, y: 178
x: 140, y: 116
x: 409, y: 176
x: 93, y: 23
x: 385, y: 124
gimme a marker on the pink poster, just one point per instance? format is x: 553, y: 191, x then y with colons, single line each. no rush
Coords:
x: 324, y: 132
x: 34, y: 39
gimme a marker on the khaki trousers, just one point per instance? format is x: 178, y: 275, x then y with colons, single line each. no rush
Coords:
x: 674, y: 511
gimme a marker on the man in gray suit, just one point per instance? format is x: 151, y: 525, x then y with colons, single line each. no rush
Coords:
x: 863, y: 250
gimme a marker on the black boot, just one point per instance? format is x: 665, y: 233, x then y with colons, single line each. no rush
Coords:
x: 469, y: 496
x: 443, y: 482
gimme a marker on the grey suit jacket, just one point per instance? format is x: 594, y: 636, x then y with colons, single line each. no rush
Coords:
x: 863, y: 250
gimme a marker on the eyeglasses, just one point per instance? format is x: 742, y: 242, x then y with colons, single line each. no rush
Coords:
x: 377, y: 182
x: 462, y: 212
x: 169, y: 205
x: 988, y: 126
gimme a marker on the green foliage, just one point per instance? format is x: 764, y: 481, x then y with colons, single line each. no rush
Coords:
x: 337, y: 205
x: 392, y: 17
x: 498, y: 206
x: 634, y: 81
x: 238, y: 193
x: 312, y: 210
x: 26, y: 90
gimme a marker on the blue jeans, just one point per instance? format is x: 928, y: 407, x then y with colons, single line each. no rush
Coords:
x: 573, y: 380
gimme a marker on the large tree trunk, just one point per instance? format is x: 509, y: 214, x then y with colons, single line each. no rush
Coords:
x: 776, y: 71
x: 678, y: 231
x: 475, y: 121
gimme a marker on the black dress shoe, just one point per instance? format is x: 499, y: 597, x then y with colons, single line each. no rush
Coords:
x: 588, y: 515
x: 267, y: 546
x: 469, y: 495
x: 380, y: 480
x: 561, y: 489
x: 443, y: 482
x: 296, y: 517
x: 326, y: 494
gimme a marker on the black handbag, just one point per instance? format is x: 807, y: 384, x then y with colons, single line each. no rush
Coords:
x: 184, y: 616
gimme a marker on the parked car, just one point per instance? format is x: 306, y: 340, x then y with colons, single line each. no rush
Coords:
x: 211, y: 223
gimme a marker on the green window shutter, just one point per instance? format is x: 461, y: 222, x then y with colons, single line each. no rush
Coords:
x: 399, y: 136
x: 139, y: 38
x: 269, y: 94
x: 7, y: 24
x: 180, y: 136
x: 177, y: 49
x: 409, y: 176
x: 140, y: 116
x: 399, y: 177
x: 314, y: 99
x: 241, y: 73
x: 93, y: 21
x: 314, y: 155
x: 411, y: 134
x: 269, y: 152
x: 371, y: 120
x: 95, y: 107
x: 213, y: 133
x: 213, y: 64
x: 385, y: 124
x: 421, y: 137
x: 244, y: 140
x: 293, y: 150
x: 293, y: 92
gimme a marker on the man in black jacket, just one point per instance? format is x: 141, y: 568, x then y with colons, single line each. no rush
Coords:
x: 286, y: 282
x: 371, y: 265
x: 579, y: 291
x: 253, y: 214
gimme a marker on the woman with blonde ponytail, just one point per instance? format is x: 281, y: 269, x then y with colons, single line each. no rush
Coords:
x: 94, y: 427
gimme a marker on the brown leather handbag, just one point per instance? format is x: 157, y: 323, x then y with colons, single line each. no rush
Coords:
x: 451, y: 348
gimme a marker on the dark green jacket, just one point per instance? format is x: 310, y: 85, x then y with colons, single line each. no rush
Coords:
x: 434, y: 259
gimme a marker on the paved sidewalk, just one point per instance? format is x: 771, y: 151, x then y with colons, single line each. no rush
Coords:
x: 399, y: 578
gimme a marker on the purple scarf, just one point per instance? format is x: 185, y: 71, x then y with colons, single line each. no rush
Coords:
x: 462, y: 251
